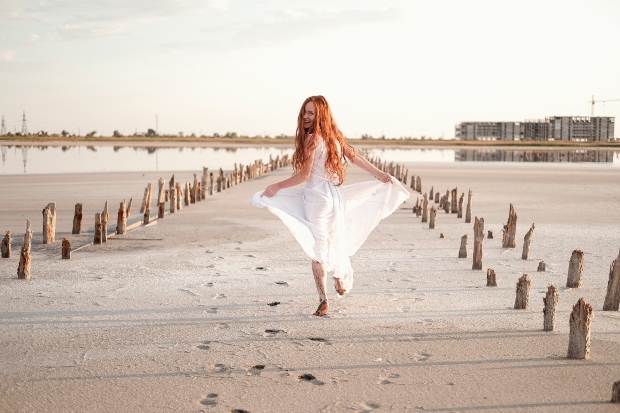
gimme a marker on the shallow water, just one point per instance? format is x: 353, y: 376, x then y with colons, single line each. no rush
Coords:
x: 47, y: 159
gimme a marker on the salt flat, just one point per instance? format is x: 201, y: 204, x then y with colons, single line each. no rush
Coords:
x: 176, y: 316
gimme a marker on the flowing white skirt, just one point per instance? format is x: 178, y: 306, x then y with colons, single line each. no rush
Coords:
x: 331, y: 222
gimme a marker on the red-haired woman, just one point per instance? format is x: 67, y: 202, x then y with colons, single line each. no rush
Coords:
x: 329, y: 220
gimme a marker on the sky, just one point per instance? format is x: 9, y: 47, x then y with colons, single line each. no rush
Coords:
x: 394, y: 68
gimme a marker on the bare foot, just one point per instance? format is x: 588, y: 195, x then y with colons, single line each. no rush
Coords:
x: 322, y: 310
x: 339, y: 287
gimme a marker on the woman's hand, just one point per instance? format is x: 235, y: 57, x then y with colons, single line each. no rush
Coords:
x: 270, y: 191
x: 384, y: 177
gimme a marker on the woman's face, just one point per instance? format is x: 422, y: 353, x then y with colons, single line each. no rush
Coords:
x: 309, y: 115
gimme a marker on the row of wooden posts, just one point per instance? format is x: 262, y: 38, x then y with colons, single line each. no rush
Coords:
x: 190, y: 193
x: 581, y: 316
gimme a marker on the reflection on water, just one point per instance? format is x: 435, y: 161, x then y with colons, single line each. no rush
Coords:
x: 546, y: 155
x: 44, y: 159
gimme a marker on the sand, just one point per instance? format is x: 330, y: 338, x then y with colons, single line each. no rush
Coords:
x: 175, y: 317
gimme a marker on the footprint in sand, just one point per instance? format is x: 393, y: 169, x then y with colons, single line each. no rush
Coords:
x: 239, y: 411
x: 219, y: 296
x: 208, y: 285
x: 310, y: 379
x: 219, y: 368
x: 250, y: 256
x: 273, y: 303
x: 388, y: 379
x: 319, y: 339
x: 212, y: 310
x: 273, y: 332
x: 255, y: 370
x: 368, y: 407
x: 188, y: 291
x: 262, y: 268
x: 203, y: 346
x: 284, y: 283
x: 220, y: 326
x: 209, y: 400
x: 421, y: 356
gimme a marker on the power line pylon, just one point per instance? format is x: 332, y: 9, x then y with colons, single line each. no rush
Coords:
x: 24, y: 127
x: 3, y: 127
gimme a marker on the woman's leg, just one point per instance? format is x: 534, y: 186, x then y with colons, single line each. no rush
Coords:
x: 320, y: 279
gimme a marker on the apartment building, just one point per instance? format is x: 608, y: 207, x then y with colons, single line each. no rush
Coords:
x: 560, y: 128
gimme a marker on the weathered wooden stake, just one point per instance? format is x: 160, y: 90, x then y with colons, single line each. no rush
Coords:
x: 575, y: 269
x: 551, y: 303
x: 454, y: 201
x: 579, y: 337
x: 470, y: 201
x: 128, y: 212
x: 510, y: 230
x: 145, y: 199
x: 49, y: 223
x: 179, y: 196
x: 463, y: 249
x: 527, y: 241
x: 615, y: 392
x: 425, y: 208
x: 97, y: 239
x: 460, y: 213
x: 437, y: 197
x: 173, y: 200
x: 23, y: 270
x: 446, y: 202
x: 161, y: 200
x: 478, y: 238
x: 6, y: 245
x: 418, y: 184
x: 77, y: 220
x: 432, y: 223
x: 491, y: 281
x: 188, y: 191
x: 121, y: 219
x: 431, y: 195
x: 204, y: 187
x: 194, y: 193
x: 212, y: 182
x: 147, y: 215
x: 542, y: 267
x: 612, y: 299
x: 522, y: 300
x: 105, y: 218
x: 66, y: 249
x: 490, y: 234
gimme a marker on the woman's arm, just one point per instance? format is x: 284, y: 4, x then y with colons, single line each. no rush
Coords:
x: 361, y: 162
x: 298, y: 178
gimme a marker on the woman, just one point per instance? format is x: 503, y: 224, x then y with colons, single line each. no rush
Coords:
x: 330, y: 221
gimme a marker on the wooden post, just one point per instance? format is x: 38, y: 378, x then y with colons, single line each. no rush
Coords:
x: 416, y: 208
x: 612, y: 299
x: 460, y: 213
x: 148, y: 198
x: 432, y: 223
x: 437, y: 197
x: 49, y: 223
x: 66, y: 249
x: 147, y: 215
x: 145, y: 199
x: 431, y: 195
x: 446, y: 202
x: 425, y: 208
x: 454, y: 201
x: 510, y: 230
x: 470, y: 200
x: 171, y: 187
x: 188, y: 191
x: 551, y: 303
x: 522, y: 300
x: 23, y: 270
x: 105, y: 218
x: 575, y: 269
x: 212, y: 182
x: 463, y: 249
x: 6, y: 245
x: 121, y: 219
x: 490, y: 234
x: 491, y: 281
x: 97, y: 239
x: 128, y: 212
x: 579, y: 337
x: 195, y: 194
x: 173, y: 200
x: 527, y: 240
x: 77, y: 220
x: 418, y: 184
x: 478, y: 238
x: 179, y: 196
x: 542, y: 267
x: 615, y: 392
x: 161, y: 200
x: 221, y: 181
x: 204, y: 187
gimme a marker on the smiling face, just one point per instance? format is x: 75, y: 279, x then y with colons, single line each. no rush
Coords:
x: 309, y: 115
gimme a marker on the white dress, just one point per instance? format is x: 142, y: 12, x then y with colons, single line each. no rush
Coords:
x: 331, y: 222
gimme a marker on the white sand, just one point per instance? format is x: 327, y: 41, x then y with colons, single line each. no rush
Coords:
x: 177, y: 324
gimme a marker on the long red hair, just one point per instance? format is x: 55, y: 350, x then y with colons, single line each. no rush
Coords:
x: 324, y: 127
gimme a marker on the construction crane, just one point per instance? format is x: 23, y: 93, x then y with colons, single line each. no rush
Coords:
x: 592, y: 102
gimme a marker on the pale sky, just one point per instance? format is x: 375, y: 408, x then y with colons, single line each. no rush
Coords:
x: 394, y: 67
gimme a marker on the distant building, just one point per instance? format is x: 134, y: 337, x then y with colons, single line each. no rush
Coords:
x: 560, y: 128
